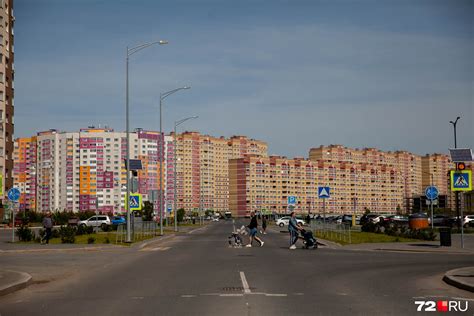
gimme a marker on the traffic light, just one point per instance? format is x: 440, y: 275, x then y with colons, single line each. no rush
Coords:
x: 460, y: 166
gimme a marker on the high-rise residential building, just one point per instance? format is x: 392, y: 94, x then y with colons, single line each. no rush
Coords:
x: 84, y: 170
x: 25, y: 171
x: 202, y: 169
x: 264, y: 184
x: 406, y: 165
x: 6, y: 98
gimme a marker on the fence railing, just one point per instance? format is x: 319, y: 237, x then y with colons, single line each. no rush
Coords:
x: 140, y: 230
x: 336, y: 231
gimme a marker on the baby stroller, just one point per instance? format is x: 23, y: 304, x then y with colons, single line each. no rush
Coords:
x: 308, y: 240
x: 235, y: 239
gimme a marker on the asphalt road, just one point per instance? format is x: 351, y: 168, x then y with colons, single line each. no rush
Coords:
x: 198, y: 274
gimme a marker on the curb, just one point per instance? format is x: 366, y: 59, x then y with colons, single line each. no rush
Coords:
x: 452, y: 277
x: 23, y: 280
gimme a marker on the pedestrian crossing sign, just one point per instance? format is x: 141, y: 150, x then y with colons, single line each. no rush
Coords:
x: 135, y: 202
x: 461, y: 180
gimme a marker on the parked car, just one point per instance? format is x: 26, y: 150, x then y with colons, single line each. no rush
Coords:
x: 347, y: 219
x: 117, y: 220
x: 374, y: 218
x: 396, y: 219
x: 98, y: 220
x: 468, y: 220
x: 441, y: 220
x: 284, y: 221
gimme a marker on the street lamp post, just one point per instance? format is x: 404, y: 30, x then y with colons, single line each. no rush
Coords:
x: 459, y: 213
x: 176, y: 124
x: 161, y: 145
x: 130, y: 52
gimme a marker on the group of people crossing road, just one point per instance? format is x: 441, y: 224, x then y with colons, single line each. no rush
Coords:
x: 293, y: 227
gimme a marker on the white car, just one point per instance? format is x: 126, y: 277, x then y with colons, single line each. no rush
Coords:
x: 101, y: 221
x: 284, y: 221
x: 468, y: 220
x: 215, y: 219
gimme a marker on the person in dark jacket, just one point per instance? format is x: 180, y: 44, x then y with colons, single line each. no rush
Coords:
x: 293, y: 228
x: 253, y: 230
x: 48, y: 226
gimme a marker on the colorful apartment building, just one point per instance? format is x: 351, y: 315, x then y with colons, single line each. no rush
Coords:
x: 24, y: 171
x: 84, y: 170
x: 264, y: 184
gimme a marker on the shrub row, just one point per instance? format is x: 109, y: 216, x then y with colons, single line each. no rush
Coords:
x: 400, y: 231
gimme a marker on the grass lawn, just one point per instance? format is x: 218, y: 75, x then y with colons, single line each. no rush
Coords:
x: 363, y: 237
x: 110, y: 237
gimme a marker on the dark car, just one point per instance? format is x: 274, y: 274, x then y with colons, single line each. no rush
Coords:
x: 441, y: 220
x: 396, y: 219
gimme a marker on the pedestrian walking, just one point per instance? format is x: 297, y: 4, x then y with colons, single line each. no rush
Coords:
x: 264, y: 225
x: 293, y: 228
x: 48, y: 226
x: 253, y: 230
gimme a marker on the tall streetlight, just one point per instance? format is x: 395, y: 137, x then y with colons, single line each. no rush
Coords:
x: 162, y: 97
x: 130, y: 52
x: 456, y: 194
x: 176, y: 124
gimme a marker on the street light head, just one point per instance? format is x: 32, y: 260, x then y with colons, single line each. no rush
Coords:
x: 162, y: 42
x: 194, y: 117
x: 186, y: 87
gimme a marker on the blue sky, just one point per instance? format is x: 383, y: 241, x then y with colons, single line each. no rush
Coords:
x: 297, y: 74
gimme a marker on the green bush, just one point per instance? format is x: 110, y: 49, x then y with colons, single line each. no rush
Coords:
x: 369, y: 227
x: 91, y: 240
x: 54, y: 233
x: 84, y: 230
x: 24, y: 233
x: 67, y: 234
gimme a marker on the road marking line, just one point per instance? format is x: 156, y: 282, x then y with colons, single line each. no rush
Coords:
x: 230, y: 295
x: 188, y: 295
x: 244, y: 283
x: 278, y: 295
x: 156, y: 249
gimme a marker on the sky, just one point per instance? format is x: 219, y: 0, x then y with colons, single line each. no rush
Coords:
x: 297, y: 74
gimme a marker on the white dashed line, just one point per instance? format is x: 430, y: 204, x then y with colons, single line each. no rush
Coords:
x: 244, y: 283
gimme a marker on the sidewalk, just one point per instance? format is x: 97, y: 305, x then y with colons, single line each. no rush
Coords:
x: 11, y: 281
x: 462, y: 278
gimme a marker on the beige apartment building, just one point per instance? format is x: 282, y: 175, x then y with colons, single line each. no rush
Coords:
x: 264, y: 184
x: 203, y: 168
x: 6, y: 98
x: 407, y: 166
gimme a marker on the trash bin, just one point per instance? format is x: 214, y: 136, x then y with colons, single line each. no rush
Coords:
x: 445, y: 236
x: 418, y: 221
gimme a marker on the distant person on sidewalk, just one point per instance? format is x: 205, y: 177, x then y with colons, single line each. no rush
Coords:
x: 253, y: 230
x: 293, y: 228
x: 48, y: 226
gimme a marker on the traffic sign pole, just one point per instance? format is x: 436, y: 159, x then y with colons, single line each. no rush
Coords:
x: 13, y: 220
